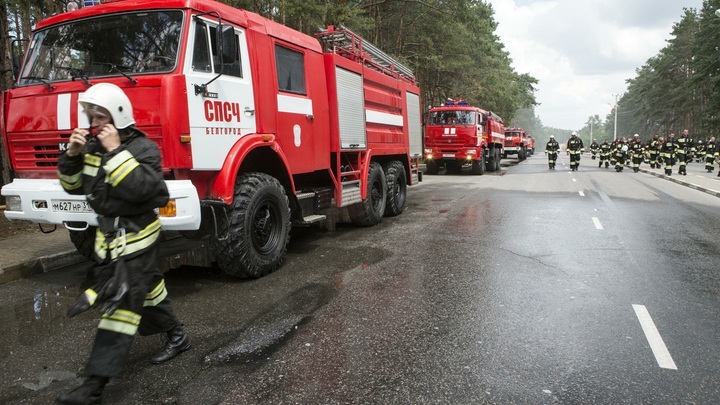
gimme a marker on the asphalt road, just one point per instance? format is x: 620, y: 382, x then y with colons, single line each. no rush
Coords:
x: 528, y: 286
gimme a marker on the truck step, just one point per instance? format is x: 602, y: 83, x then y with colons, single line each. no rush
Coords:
x: 302, y: 196
x: 312, y: 218
x: 350, y: 192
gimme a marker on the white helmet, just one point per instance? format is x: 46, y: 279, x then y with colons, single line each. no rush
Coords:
x: 552, y: 136
x: 636, y: 136
x: 574, y: 132
x: 111, y: 98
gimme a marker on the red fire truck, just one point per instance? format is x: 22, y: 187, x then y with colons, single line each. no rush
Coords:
x: 457, y: 134
x: 516, y: 143
x: 259, y: 125
x: 531, y: 145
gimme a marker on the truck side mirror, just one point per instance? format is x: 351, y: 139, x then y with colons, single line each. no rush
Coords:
x: 228, y: 41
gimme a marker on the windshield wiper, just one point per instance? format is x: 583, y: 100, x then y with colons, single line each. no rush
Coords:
x: 41, y: 80
x: 79, y: 74
x: 115, y: 68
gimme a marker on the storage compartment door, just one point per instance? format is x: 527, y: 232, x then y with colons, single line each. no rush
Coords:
x: 414, y: 126
x: 351, y: 109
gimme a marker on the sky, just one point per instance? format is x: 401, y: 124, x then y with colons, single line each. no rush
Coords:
x: 582, y: 51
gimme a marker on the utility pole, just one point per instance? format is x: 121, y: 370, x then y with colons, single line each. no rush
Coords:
x: 616, y: 107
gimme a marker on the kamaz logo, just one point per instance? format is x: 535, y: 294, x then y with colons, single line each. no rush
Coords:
x: 220, y: 111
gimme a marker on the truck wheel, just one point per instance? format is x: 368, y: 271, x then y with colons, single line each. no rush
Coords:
x: 491, y: 161
x: 84, y: 241
x: 478, y: 166
x: 497, y: 160
x: 432, y: 167
x: 370, y: 211
x: 396, y: 179
x: 257, y: 228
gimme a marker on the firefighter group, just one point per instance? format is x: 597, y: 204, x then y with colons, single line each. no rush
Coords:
x: 659, y: 152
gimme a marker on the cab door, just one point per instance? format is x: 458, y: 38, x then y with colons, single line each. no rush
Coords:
x: 224, y: 113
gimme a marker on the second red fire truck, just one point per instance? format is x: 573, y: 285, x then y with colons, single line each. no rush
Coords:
x: 517, y: 142
x: 259, y: 125
x: 458, y: 134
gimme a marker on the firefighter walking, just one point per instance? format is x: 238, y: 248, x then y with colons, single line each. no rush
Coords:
x: 551, y: 150
x: 574, y: 147
x: 119, y: 170
x: 620, y: 154
x: 684, y: 152
x: 711, y: 151
x: 594, y: 148
x: 654, y: 150
x: 637, y: 149
x: 668, y: 151
x: 605, y: 150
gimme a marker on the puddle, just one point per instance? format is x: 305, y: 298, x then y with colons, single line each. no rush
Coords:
x: 47, y: 377
x: 31, y: 321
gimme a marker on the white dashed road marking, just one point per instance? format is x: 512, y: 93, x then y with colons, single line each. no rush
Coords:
x: 598, y: 225
x: 662, y: 355
x: 581, y: 194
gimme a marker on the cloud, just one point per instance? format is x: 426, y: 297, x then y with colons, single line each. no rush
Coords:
x: 583, y: 51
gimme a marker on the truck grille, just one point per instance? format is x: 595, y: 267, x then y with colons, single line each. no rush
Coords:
x: 36, y: 151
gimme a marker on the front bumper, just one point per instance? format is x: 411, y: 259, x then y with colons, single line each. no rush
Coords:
x: 39, y: 203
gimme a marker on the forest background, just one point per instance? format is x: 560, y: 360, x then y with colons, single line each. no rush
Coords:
x: 454, y: 51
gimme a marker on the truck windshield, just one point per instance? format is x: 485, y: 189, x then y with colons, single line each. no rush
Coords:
x: 513, y: 134
x: 114, y: 45
x: 452, y: 117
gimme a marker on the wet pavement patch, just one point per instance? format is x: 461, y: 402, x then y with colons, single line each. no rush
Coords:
x: 271, y: 328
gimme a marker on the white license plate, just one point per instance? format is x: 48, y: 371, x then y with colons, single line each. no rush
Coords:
x: 452, y: 155
x: 71, y: 206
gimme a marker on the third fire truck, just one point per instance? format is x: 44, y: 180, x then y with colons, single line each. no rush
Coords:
x: 458, y: 134
x: 259, y: 125
x: 517, y: 142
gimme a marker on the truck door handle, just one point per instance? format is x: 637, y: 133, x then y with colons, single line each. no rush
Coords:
x: 249, y: 110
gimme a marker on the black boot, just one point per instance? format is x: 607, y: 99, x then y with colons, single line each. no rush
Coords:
x: 90, y: 392
x: 178, y: 342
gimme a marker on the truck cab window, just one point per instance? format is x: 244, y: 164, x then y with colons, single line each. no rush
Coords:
x: 202, y: 49
x: 201, y: 55
x: 290, y: 67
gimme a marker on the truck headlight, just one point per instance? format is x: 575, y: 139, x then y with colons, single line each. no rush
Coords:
x: 429, y: 156
x: 14, y: 203
x: 428, y: 150
x: 471, y: 152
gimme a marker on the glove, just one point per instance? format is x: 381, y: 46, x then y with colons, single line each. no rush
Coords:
x: 85, y: 301
x: 115, y: 288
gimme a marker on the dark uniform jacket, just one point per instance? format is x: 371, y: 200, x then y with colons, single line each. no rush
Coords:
x: 552, y: 146
x: 574, y: 145
x: 126, y: 183
x: 669, y: 147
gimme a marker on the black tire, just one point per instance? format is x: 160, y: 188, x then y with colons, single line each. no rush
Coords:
x: 432, y: 167
x: 370, y: 211
x: 257, y: 228
x: 396, y: 179
x: 492, y: 161
x: 497, y: 160
x: 478, y: 166
x: 84, y: 241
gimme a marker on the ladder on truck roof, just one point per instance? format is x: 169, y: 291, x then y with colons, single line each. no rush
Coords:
x: 347, y: 43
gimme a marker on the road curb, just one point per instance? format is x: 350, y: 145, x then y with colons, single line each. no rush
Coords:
x: 40, y: 265
x: 694, y: 186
